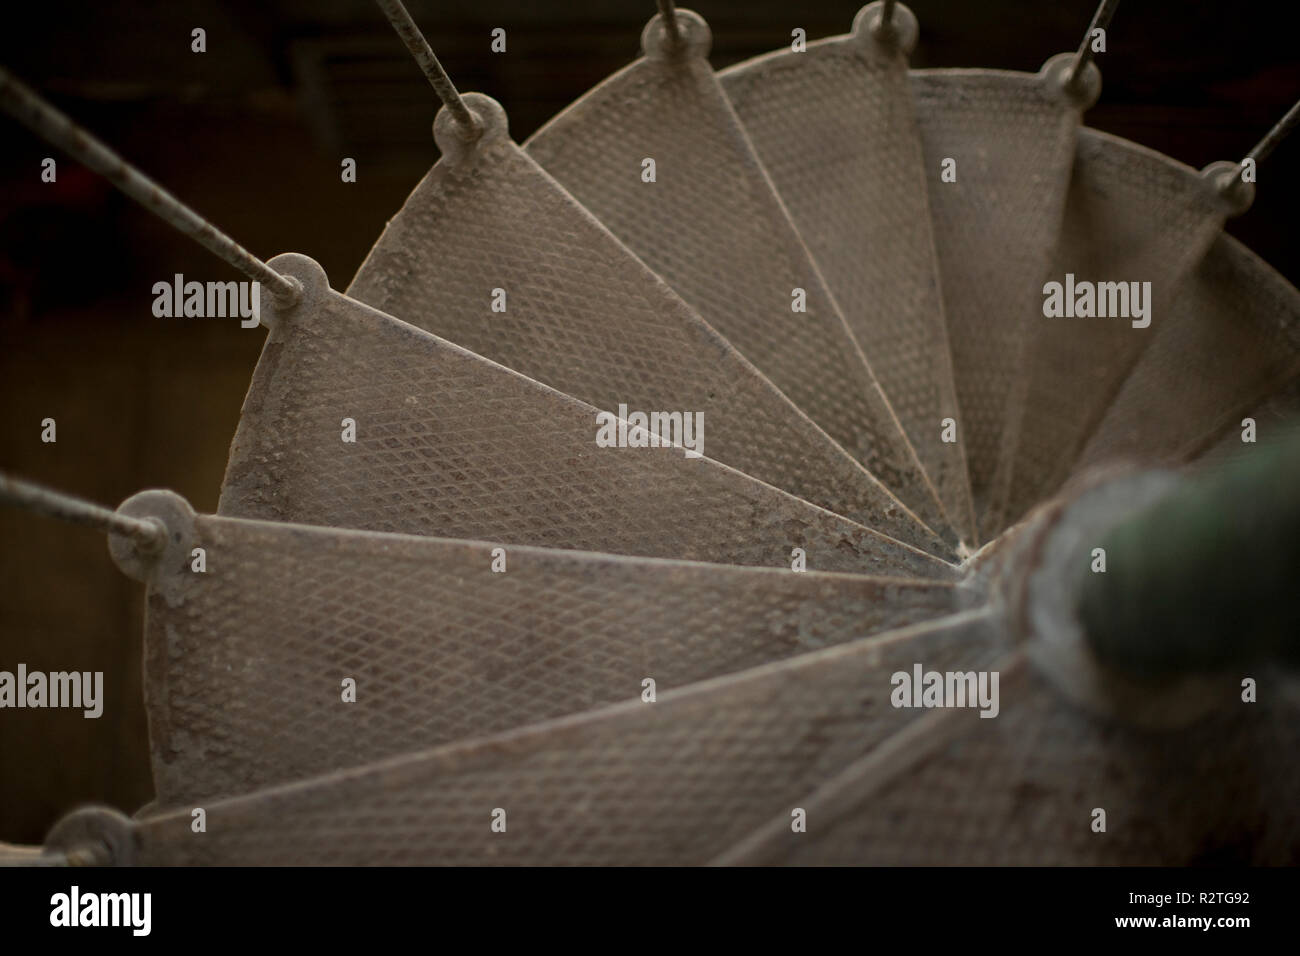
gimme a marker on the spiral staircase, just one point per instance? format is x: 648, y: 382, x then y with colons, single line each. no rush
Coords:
x: 472, y: 635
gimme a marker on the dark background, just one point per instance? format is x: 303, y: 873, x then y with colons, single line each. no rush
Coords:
x: 251, y: 133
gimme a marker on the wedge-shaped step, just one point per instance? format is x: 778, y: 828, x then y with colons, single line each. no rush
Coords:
x: 585, y: 316
x: 710, y: 225
x: 1270, y: 420
x: 670, y: 782
x: 1232, y: 337
x: 1026, y: 788
x: 1136, y: 224
x: 443, y: 639
x: 834, y: 128
x: 447, y: 443
x: 1010, y: 139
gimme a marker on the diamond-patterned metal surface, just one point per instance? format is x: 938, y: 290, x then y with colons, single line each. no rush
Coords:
x: 450, y: 444
x: 1021, y: 790
x: 588, y: 318
x: 1231, y: 339
x: 1132, y: 215
x: 445, y: 531
x: 835, y: 130
x: 244, y: 663
x: 638, y: 783
x: 1012, y: 136
x: 713, y: 227
x: 1274, y: 417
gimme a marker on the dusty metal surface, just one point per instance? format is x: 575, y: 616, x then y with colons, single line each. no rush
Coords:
x: 1012, y: 136
x: 1132, y: 216
x: 1232, y: 337
x: 1021, y: 790
x: 244, y: 663
x: 637, y: 783
x: 499, y: 715
x: 835, y: 131
x: 713, y: 227
x: 586, y: 317
x: 450, y: 444
x: 1274, y: 418
x: 1185, y: 770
